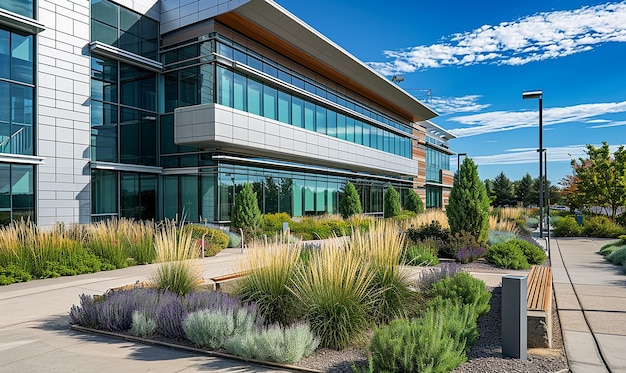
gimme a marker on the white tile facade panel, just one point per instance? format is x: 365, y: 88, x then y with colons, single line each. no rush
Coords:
x: 180, y: 13
x: 209, y: 124
x: 63, y: 112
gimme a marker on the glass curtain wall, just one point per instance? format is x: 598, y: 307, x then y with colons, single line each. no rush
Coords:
x: 435, y: 162
x: 122, y: 28
x: 123, y: 114
x: 17, y: 197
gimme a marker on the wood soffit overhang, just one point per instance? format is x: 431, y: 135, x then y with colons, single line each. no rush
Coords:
x: 268, y: 39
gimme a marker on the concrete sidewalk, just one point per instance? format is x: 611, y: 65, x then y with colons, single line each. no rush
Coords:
x: 35, y: 334
x: 591, y: 301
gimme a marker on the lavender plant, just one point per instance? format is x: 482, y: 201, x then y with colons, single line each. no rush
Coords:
x: 470, y: 253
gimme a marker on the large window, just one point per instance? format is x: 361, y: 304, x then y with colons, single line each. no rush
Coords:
x: 16, y: 93
x: 22, y: 7
x: 17, y: 198
x: 123, y: 113
x: 120, y: 27
x: 245, y: 93
x: 435, y: 162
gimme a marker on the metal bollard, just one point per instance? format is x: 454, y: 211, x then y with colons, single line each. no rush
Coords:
x: 514, y: 321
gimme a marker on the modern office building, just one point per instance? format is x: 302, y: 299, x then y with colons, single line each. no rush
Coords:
x: 151, y: 109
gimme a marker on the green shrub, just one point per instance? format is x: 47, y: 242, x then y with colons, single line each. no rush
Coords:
x: 143, y: 325
x: 434, y: 230
x: 421, y: 255
x: 435, y: 342
x: 391, y: 203
x: 567, y: 227
x: 463, y: 288
x: 12, y: 273
x: 275, y: 343
x: 617, y: 256
x: 506, y: 255
x: 554, y: 220
x: 405, y: 215
x: 534, y: 254
x: 246, y: 214
x: 610, y: 247
x: 349, y: 201
x: 315, y: 228
x: 413, y: 202
x: 457, y: 242
x: 234, y: 239
x: 532, y: 223
x: 215, y: 239
x: 212, y: 328
x: 273, y: 223
x: 602, y: 226
x: 495, y: 237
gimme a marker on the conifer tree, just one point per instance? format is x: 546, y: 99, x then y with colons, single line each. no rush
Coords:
x: 246, y: 214
x: 414, y: 202
x: 392, y: 203
x: 349, y: 203
x: 468, y: 208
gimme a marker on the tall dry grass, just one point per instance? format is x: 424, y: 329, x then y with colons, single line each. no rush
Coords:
x: 503, y: 225
x: 335, y: 293
x: 508, y: 213
x: 426, y: 218
x: 137, y: 239
x: 383, y: 247
x: 272, y: 265
x: 105, y: 241
x: 177, y: 269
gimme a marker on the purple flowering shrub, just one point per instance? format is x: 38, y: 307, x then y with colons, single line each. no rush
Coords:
x: 114, y: 311
x: 469, y: 253
x: 431, y: 275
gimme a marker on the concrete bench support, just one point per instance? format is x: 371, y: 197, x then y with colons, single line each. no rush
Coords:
x: 539, y: 307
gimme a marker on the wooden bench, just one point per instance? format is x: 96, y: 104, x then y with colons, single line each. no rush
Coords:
x: 219, y: 280
x: 539, y: 307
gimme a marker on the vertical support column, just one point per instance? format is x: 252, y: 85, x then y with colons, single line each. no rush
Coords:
x: 514, y: 320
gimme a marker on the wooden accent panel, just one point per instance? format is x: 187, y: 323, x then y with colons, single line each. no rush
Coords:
x: 264, y: 37
x: 447, y: 178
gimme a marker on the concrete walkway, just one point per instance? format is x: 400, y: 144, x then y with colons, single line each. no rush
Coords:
x: 591, y: 301
x: 35, y: 334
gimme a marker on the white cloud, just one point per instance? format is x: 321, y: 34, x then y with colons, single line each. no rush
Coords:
x: 530, y: 156
x: 533, y: 38
x: 610, y: 124
x: 450, y: 105
x: 497, y: 121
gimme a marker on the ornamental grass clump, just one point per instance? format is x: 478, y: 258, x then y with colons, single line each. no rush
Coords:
x: 177, y: 271
x: 335, y: 294
x: 383, y: 247
x: 138, y: 239
x: 272, y: 266
x: 105, y: 241
x: 422, y: 254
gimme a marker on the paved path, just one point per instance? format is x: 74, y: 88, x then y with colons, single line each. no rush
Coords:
x: 591, y: 301
x: 35, y: 334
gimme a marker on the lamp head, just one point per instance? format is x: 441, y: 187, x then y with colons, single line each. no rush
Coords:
x: 526, y: 95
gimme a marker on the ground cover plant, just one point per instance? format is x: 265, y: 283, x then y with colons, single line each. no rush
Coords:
x: 615, y: 252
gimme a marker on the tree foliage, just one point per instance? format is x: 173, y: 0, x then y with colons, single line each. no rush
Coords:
x: 598, y: 180
x: 392, y: 203
x: 349, y: 203
x: 503, y: 189
x: 414, y: 202
x: 523, y: 190
x: 246, y: 214
x: 468, y: 208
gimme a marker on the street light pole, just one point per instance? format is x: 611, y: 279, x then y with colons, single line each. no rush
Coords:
x: 539, y: 95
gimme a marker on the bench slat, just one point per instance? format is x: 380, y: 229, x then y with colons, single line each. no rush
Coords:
x: 539, y: 288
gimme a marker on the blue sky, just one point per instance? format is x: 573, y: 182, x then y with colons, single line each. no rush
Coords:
x: 477, y: 57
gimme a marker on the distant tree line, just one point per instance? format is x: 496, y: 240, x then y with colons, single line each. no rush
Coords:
x: 524, y: 192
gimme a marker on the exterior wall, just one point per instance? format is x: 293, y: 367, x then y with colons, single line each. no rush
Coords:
x: 419, y: 155
x: 447, y: 179
x: 180, y: 13
x: 211, y: 123
x: 63, y: 130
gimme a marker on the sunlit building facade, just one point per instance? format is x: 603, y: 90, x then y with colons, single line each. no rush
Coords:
x: 152, y: 109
